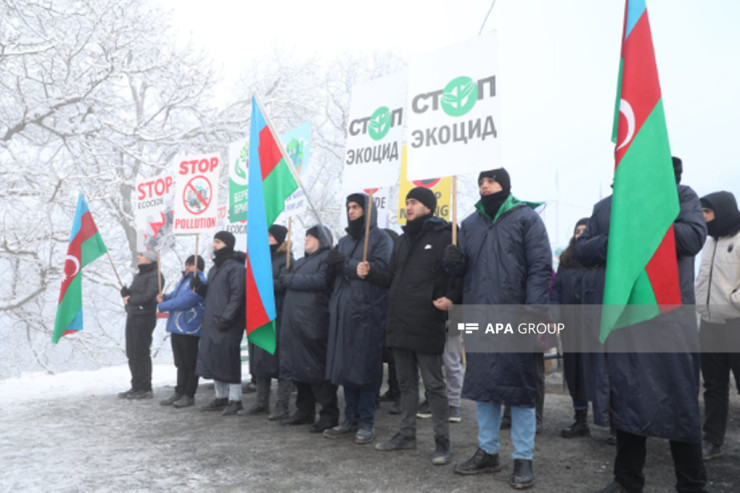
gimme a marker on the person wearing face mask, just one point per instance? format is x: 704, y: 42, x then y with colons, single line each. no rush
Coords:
x: 263, y: 365
x: 419, y: 294
x: 718, y: 300
x: 505, y: 258
x: 357, y: 323
x: 223, y: 324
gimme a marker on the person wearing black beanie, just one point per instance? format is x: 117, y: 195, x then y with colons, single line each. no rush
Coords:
x: 495, y: 188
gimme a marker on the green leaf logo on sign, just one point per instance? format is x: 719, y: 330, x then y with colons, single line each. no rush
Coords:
x: 459, y: 96
x: 380, y: 123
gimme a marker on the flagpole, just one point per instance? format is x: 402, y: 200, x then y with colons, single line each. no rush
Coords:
x: 454, y: 210
x: 368, y: 214
x: 159, y: 273
x: 114, y: 268
x: 287, y: 157
x: 287, y: 250
x: 195, y: 257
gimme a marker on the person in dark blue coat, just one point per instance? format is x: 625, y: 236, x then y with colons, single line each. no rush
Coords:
x: 567, y: 289
x: 305, y: 332
x: 262, y: 365
x: 224, y: 324
x: 357, y: 326
x: 506, y: 259
x: 185, y: 309
x: 654, y: 394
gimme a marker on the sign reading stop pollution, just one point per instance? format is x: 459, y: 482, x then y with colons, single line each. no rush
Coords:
x: 154, y: 216
x: 196, y: 194
x: 453, y: 110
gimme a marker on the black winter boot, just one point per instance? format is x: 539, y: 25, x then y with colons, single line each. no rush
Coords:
x: 480, y: 462
x: 523, y: 476
x: 579, y: 428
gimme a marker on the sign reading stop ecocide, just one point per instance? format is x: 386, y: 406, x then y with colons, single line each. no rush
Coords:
x: 196, y: 193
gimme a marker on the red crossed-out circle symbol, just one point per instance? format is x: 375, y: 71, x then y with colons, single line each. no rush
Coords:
x: 197, y: 195
x: 430, y: 183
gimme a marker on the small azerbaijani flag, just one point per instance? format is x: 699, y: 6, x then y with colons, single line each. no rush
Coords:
x: 642, y: 266
x: 272, y: 178
x: 85, y: 245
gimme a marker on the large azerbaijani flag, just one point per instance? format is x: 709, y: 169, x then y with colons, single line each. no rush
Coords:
x: 272, y: 179
x: 85, y: 245
x: 641, y: 268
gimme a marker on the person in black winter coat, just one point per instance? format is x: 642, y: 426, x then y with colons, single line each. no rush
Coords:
x: 141, y: 318
x: 420, y: 293
x: 506, y: 259
x: 263, y: 365
x: 567, y: 289
x: 357, y: 322
x: 305, y: 331
x: 653, y: 394
x: 223, y: 324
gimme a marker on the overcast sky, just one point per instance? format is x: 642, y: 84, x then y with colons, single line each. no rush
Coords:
x: 558, y: 67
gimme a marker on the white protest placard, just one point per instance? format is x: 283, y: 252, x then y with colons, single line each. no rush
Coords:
x: 375, y: 133
x: 196, y: 193
x: 453, y: 112
x: 153, y: 216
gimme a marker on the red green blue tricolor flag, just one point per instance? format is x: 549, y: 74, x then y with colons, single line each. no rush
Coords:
x: 85, y: 245
x: 272, y: 179
x: 642, y: 267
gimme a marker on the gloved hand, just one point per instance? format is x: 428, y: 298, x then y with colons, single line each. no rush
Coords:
x: 125, y: 291
x: 195, y: 282
x: 334, y: 258
x: 285, y: 277
x: 452, y: 255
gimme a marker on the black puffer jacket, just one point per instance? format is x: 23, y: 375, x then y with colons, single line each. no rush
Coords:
x: 415, y: 278
x: 144, y: 289
x: 224, y: 322
x: 305, y: 318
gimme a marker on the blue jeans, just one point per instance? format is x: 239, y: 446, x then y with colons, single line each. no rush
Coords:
x: 359, y: 406
x: 523, y: 425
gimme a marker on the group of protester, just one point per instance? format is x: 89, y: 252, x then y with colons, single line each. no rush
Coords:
x: 344, y: 309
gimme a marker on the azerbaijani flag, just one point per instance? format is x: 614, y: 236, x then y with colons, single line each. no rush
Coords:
x: 272, y: 179
x: 641, y: 268
x: 85, y: 245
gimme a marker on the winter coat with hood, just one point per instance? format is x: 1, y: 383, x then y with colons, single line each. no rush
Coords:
x: 507, y: 261
x: 358, y: 311
x: 415, y: 278
x: 224, y: 320
x: 305, y: 317
x: 185, y: 307
x: 642, y: 388
x: 262, y: 363
x: 144, y: 289
x: 718, y: 281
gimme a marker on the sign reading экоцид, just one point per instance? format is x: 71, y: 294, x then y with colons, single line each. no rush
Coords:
x: 452, y: 115
x: 375, y: 133
x: 196, y: 193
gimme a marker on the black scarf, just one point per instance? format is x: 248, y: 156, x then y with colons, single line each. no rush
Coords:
x: 147, y: 267
x: 493, y: 202
x: 413, y: 226
x: 221, y: 256
x: 356, y: 227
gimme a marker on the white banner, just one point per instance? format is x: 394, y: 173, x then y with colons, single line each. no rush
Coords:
x: 153, y: 216
x: 375, y: 133
x: 196, y: 193
x: 452, y: 115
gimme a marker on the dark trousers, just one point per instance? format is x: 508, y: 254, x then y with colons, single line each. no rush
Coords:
x: 575, y: 376
x: 139, y: 329
x: 394, y: 391
x: 715, y: 369
x: 408, y: 366
x: 359, y: 405
x: 185, y: 351
x: 687, y: 462
x: 325, y: 394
